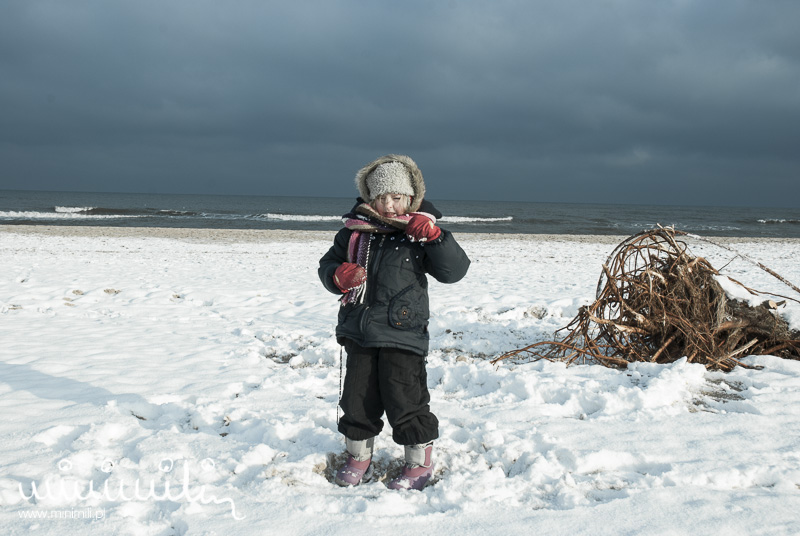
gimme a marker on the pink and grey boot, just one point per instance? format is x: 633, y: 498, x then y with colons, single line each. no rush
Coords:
x: 418, y: 469
x: 358, y: 467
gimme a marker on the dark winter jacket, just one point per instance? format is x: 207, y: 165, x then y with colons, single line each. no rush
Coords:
x: 395, y: 310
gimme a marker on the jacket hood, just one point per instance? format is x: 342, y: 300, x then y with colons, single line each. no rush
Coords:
x: 417, y: 182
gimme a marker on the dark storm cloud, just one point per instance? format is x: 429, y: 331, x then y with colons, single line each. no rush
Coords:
x: 670, y: 102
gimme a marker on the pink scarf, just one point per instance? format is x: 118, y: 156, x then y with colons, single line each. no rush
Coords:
x: 365, y: 221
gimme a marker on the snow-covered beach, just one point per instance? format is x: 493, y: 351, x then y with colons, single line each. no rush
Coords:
x: 184, y: 381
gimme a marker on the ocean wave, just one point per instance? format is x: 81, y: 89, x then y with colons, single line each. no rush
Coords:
x: 778, y: 220
x: 102, y: 211
x: 681, y: 227
x: 12, y: 215
x: 72, y: 210
x: 177, y: 213
x: 319, y: 217
x: 298, y: 217
x: 124, y: 212
x: 468, y: 219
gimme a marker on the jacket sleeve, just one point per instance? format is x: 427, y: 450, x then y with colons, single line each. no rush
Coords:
x: 445, y: 260
x: 334, y: 258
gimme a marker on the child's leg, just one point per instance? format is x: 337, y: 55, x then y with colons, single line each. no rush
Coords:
x: 361, y: 451
x: 361, y: 397
x: 404, y: 388
x: 361, y: 422
x: 404, y: 392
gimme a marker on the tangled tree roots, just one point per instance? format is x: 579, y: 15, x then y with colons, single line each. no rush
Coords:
x: 657, y: 303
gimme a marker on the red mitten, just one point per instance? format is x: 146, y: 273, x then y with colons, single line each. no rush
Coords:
x: 349, y: 275
x: 421, y: 229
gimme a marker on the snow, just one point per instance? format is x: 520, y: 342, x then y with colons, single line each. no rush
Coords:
x: 167, y: 386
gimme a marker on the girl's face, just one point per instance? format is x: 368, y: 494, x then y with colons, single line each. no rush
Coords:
x: 391, y: 205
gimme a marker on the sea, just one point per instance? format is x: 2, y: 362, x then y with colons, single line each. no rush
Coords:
x: 19, y: 207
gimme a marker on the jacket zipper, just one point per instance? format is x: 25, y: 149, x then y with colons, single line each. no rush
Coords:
x: 373, y: 263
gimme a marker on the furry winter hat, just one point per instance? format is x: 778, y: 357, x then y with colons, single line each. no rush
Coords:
x: 391, y: 174
x: 389, y: 178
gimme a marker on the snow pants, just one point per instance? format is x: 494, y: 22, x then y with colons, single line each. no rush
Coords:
x: 391, y: 381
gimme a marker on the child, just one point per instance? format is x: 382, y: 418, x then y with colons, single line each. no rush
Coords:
x: 378, y: 264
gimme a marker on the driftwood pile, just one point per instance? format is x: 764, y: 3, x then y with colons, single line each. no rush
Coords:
x: 657, y: 303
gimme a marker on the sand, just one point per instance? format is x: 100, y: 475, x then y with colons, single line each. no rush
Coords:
x: 280, y: 235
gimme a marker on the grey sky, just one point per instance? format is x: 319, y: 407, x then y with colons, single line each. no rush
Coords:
x: 633, y: 101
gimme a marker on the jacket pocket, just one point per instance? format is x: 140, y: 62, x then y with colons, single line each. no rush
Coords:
x: 408, y: 309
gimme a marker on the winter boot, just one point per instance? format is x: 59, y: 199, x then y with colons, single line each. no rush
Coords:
x: 358, y: 467
x: 418, y: 469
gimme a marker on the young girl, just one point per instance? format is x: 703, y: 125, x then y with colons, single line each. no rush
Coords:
x: 377, y: 265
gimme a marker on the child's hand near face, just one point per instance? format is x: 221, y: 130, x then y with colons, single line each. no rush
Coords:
x: 421, y: 229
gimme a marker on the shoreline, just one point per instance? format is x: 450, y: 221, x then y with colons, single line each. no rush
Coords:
x: 282, y: 235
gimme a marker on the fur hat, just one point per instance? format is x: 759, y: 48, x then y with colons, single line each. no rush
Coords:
x: 391, y: 174
x: 389, y: 178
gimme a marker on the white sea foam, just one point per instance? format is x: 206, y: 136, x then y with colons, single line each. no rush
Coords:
x: 468, y: 219
x: 73, y: 209
x: 701, y: 228
x: 778, y: 220
x: 66, y: 215
x: 299, y: 217
x: 316, y: 217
